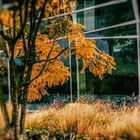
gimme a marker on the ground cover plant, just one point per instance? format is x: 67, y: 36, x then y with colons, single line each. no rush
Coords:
x: 82, y: 120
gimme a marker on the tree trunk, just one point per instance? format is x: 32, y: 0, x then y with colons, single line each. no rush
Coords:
x: 14, y: 96
x: 4, y: 110
x: 24, y: 100
x: 23, y: 111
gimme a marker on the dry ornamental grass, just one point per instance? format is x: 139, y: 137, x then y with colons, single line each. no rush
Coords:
x: 96, y: 120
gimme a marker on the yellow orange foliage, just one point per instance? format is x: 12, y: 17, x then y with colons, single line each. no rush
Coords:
x: 98, y: 62
x: 54, y: 71
x: 5, y: 18
x: 49, y: 68
x: 55, y: 7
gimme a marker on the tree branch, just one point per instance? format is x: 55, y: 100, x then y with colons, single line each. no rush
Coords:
x: 44, y: 63
x: 39, y: 61
x: 14, y: 40
x: 39, y: 19
x: 5, y: 37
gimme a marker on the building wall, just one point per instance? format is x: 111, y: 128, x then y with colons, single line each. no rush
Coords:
x: 126, y: 74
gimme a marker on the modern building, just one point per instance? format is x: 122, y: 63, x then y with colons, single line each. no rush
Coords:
x: 115, y: 26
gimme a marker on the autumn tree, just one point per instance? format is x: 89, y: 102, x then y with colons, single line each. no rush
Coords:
x: 40, y: 52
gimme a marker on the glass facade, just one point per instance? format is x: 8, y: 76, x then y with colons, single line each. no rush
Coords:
x: 124, y: 80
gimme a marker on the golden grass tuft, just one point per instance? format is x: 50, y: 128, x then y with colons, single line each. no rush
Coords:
x: 92, y: 120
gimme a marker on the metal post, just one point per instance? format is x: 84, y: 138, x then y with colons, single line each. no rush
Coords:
x: 74, y: 17
x: 137, y: 17
x: 70, y: 65
x: 77, y: 76
x: 9, y: 84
